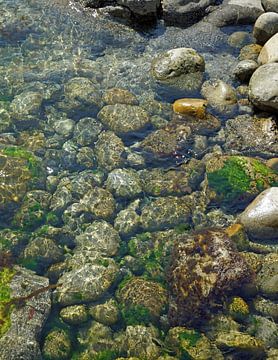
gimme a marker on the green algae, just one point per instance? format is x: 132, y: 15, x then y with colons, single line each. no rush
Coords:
x: 190, y: 338
x: 135, y: 315
x: 6, y: 275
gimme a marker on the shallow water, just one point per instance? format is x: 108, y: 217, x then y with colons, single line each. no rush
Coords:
x: 45, y: 44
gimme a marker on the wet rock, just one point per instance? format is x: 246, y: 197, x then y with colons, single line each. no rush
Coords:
x: 205, y: 267
x: 167, y: 141
x: 106, y: 313
x: 88, y: 277
x: 100, y: 203
x: 265, y: 27
x: 110, y: 151
x: 119, y: 96
x: 87, y: 131
x: 252, y: 134
x: 250, y: 52
x: 242, y: 343
x: 267, y: 279
x: 184, y: 13
x: 269, y: 51
x: 123, y: 118
x: 64, y: 127
x: 266, y: 307
x: 5, y: 120
x: 95, y: 337
x: 86, y: 158
x: 195, y: 107
x: 57, y: 345
x: 40, y: 253
x: 32, y: 140
x: 220, y: 323
x: 75, y: 314
x: 33, y: 210
x: 124, y: 183
x: 25, y: 109
x: 273, y: 163
x: 85, y: 181
x: 191, y: 343
x: 146, y: 9
x: 244, y: 70
x: 272, y: 354
x: 236, y: 180
x: 233, y: 12
x: 101, y: 237
x: 128, y: 220
x: 144, y: 293
x: 219, y: 94
x: 80, y: 93
x: 263, y: 88
x: 199, y: 125
x: 140, y: 342
x: 19, y: 169
x: 238, y: 39
x: 158, y: 182
x: 20, y: 341
x: 238, y: 309
x: 265, y: 330
x: 175, y: 63
x: 166, y: 212
x: 260, y: 218
x: 62, y: 197
x: 270, y: 5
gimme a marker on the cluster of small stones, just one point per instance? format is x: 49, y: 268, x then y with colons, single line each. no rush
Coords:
x: 129, y: 244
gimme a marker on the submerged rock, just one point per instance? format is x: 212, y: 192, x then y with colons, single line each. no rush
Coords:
x: 236, y: 180
x: 100, y: 203
x: 57, y: 345
x: 119, y: 96
x: 21, y: 339
x: 260, y: 218
x: 205, y: 267
x: 75, y: 314
x: 244, y: 69
x: 106, y: 313
x: 87, y: 130
x: 195, y: 107
x: 124, y: 183
x: 219, y: 94
x: 123, y: 118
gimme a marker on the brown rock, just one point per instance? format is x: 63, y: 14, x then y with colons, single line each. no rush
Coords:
x: 189, y: 106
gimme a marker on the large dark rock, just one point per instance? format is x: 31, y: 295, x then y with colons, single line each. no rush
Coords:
x: 205, y: 267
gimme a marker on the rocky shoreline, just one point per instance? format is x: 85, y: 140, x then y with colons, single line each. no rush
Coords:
x: 136, y: 223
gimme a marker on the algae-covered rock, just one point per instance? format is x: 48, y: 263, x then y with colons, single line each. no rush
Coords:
x: 243, y: 344
x: 205, y: 267
x: 19, y: 170
x: 101, y: 237
x: 267, y: 278
x: 128, y: 220
x: 266, y: 307
x: 138, y: 292
x: 238, y: 308
x: 140, y: 342
x: 106, y: 313
x: 100, y: 203
x: 264, y: 329
x: 166, y: 212
x: 75, y: 314
x: 20, y: 340
x: 109, y: 151
x: 191, y: 344
x: 123, y: 118
x: 57, y: 345
x: 124, y: 183
x: 88, y: 277
x: 236, y: 180
x: 87, y: 131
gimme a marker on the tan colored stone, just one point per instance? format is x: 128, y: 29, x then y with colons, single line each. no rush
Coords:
x: 196, y: 107
x: 269, y: 52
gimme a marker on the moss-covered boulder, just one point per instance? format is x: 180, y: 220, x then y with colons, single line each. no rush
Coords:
x: 20, y: 169
x: 57, y: 345
x: 6, y: 275
x: 141, y: 298
x: 236, y: 180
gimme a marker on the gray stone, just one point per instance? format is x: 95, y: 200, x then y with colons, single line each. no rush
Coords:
x: 101, y: 237
x: 238, y: 39
x: 260, y: 218
x: 265, y: 27
x: 269, y: 52
x: 219, y: 94
x: 176, y: 62
x: 128, y: 220
x: 266, y: 307
x: 265, y: 330
x: 64, y: 127
x: 21, y: 339
x: 124, y: 183
x: 267, y: 278
x: 263, y: 87
x: 141, y: 8
x: 270, y: 5
x: 86, y: 131
x: 244, y: 70
x: 184, y: 12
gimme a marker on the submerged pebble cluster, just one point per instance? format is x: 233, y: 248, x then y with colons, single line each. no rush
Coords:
x: 138, y: 190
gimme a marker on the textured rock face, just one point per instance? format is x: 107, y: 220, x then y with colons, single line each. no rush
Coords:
x: 20, y: 341
x: 142, y: 7
x: 270, y: 5
x: 260, y: 218
x: 184, y: 12
x: 204, y: 267
x: 263, y: 87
